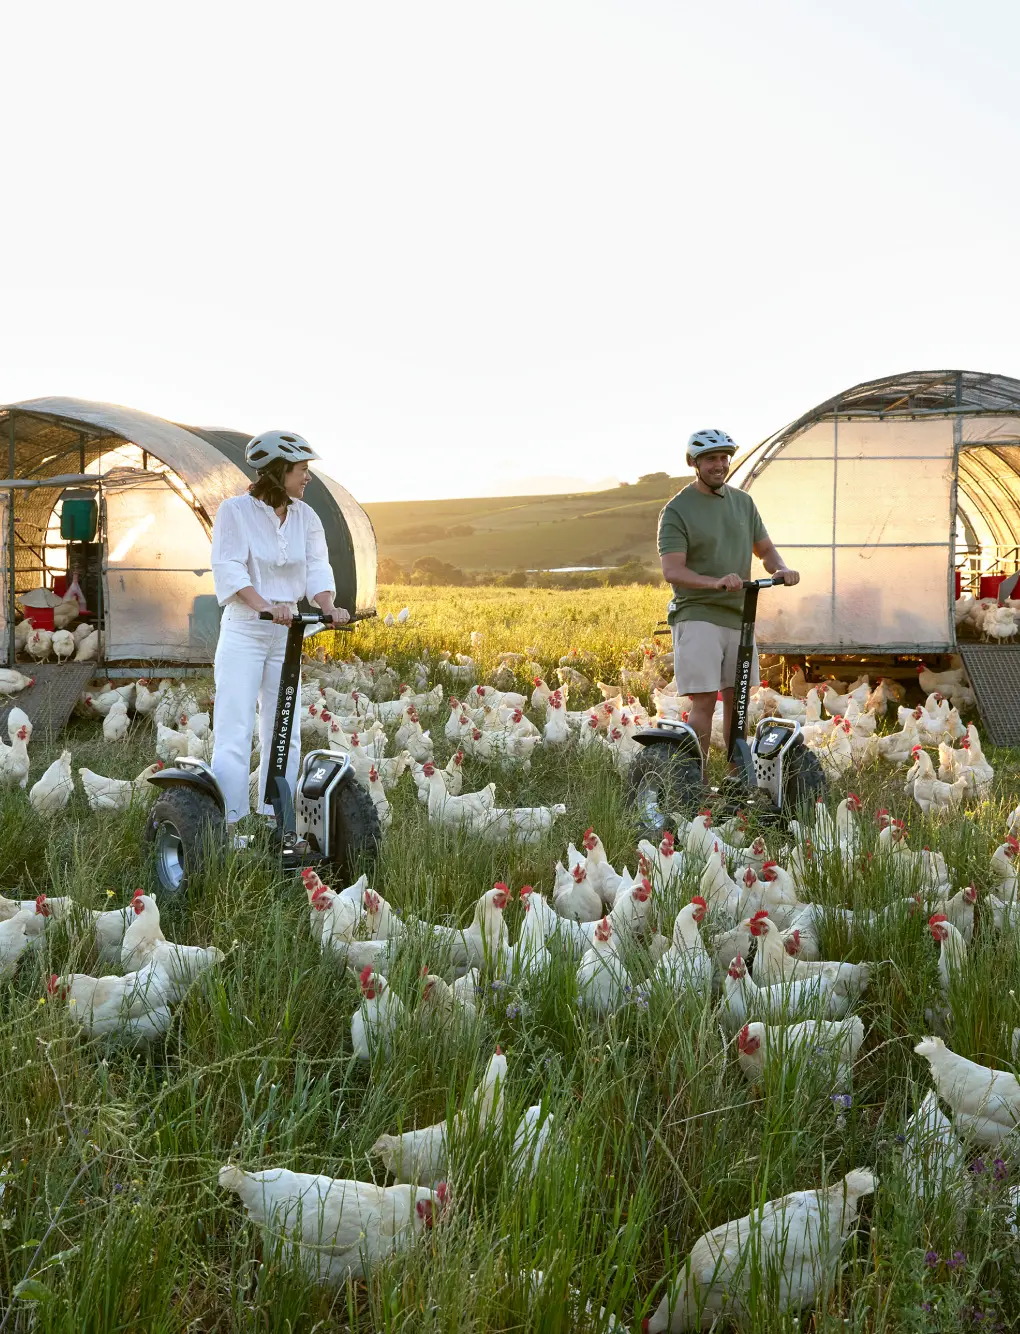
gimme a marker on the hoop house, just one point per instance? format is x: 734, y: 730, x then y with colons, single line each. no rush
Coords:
x: 889, y: 498
x: 152, y: 488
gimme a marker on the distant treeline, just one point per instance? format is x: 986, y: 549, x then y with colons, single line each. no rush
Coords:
x: 430, y: 571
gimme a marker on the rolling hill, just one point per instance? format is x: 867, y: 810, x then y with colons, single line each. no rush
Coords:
x: 527, y: 532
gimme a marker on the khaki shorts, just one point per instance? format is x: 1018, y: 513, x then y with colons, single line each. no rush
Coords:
x: 705, y: 657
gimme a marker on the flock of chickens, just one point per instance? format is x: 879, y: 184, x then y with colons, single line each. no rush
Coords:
x: 746, y: 944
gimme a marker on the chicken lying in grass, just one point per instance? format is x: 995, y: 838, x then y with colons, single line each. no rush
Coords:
x: 116, y: 794
x: 833, y: 1043
x: 133, y: 1010
x: 778, y: 960
x: 334, y: 1229
x: 784, y: 1254
x: 422, y: 1156
x: 458, y: 1001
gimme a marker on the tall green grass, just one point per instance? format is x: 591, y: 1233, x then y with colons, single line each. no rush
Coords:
x: 111, y: 1215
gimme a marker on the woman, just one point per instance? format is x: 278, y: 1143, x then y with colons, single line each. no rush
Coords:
x: 268, y: 550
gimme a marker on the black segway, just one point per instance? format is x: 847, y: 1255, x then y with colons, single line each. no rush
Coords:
x: 329, y: 819
x: 773, y: 773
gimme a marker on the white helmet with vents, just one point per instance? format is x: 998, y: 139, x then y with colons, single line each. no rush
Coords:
x: 263, y: 449
x: 706, y: 442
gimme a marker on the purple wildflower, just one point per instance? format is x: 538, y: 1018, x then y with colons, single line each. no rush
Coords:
x: 956, y: 1260
x: 512, y: 1010
x: 978, y: 1165
x: 999, y: 1170
x: 931, y: 1259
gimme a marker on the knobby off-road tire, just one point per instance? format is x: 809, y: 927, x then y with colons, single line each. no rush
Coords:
x: 662, y: 780
x: 185, y: 828
x: 355, y: 832
x: 803, y: 780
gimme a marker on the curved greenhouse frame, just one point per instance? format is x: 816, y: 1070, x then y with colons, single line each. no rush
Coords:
x: 154, y: 487
x: 890, y: 498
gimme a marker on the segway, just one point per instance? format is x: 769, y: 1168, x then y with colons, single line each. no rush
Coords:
x: 329, y: 819
x: 773, y: 774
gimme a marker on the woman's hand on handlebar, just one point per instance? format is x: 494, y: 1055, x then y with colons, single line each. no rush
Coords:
x: 337, y: 615
x: 729, y: 583
x: 281, y: 613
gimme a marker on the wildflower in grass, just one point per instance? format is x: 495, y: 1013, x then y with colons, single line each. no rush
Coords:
x: 999, y: 1170
x: 842, y: 1101
x: 513, y: 1010
x: 498, y: 986
x: 931, y: 1259
x: 956, y: 1260
x: 978, y: 1166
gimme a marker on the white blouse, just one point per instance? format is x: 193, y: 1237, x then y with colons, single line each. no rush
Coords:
x: 282, y: 560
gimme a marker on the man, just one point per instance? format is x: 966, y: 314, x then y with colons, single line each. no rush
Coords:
x: 707, y: 533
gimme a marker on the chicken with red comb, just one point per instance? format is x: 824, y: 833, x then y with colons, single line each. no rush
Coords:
x: 334, y: 1229
x: 378, y: 1017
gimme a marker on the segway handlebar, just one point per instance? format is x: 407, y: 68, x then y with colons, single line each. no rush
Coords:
x: 774, y: 581
x: 318, y: 617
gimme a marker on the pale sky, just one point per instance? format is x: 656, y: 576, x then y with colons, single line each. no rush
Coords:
x: 461, y: 244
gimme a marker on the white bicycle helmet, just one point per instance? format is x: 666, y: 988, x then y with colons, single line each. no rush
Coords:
x: 263, y: 449
x: 705, y: 442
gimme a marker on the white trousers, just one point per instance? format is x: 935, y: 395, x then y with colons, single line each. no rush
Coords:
x: 249, y: 659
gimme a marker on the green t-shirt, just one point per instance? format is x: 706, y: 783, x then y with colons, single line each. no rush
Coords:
x: 718, y: 534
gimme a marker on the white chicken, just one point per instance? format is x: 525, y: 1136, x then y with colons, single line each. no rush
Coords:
x: 132, y: 1009
x: 116, y: 723
x: 687, y: 965
x: 39, y: 644
x: 377, y: 1018
x: 14, y: 941
x: 784, y: 1253
x: 574, y: 896
x: 142, y: 933
x: 800, y: 1045
x: 934, y: 1161
x: 985, y: 1103
x: 952, y: 951
x: 422, y: 1156
x: 602, y: 980
x: 335, y: 1229
x: 53, y: 790
x: 170, y: 745
x: 116, y: 794
x: 63, y: 645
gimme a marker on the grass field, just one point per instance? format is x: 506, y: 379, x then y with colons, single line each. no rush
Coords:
x: 527, y: 532
x: 111, y: 1215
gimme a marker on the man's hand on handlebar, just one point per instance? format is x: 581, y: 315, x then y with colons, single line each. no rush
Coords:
x: 729, y: 583
x: 788, y: 577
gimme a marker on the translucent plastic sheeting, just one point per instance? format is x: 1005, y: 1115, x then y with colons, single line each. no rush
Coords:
x: 866, y: 520
x: 355, y: 584
x: 160, y: 596
x: 998, y: 429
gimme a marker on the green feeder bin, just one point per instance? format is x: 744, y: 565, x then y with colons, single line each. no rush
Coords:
x: 79, y: 519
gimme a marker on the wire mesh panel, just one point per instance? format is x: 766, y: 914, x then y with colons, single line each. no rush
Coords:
x: 994, y: 671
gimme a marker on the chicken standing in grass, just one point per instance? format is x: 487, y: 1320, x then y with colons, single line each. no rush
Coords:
x: 781, y: 1256
x: 602, y: 980
x: 335, y: 1229
x: 985, y: 1103
x: 377, y: 1018
x: 53, y: 791
x: 133, y: 1009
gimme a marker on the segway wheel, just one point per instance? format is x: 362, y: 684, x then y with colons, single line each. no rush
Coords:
x: 662, y: 781
x: 182, y: 828
x: 803, y: 779
x: 355, y: 832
